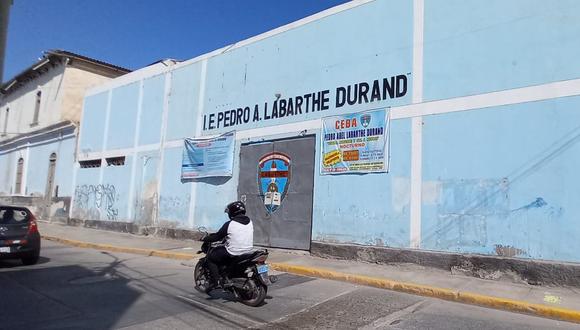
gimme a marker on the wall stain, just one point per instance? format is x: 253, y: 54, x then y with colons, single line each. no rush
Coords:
x: 553, y: 212
x: 508, y: 251
x: 538, y: 203
x: 146, y: 205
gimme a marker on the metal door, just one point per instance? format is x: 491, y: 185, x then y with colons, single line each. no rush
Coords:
x: 282, y: 216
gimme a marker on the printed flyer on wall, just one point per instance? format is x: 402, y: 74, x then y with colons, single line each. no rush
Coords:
x: 208, y: 157
x: 355, y: 143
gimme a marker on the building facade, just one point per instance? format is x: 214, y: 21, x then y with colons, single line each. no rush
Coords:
x: 40, y: 112
x: 483, y: 100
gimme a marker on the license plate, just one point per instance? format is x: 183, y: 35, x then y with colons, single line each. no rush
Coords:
x: 5, y: 249
x: 262, y: 269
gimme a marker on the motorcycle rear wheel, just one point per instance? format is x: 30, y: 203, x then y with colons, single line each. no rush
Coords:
x: 255, y: 295
x: 201, y: 277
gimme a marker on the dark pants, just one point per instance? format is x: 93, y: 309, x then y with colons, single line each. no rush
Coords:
x: 218, y: 256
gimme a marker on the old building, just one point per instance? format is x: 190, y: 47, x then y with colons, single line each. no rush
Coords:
x: 40, y: 110
x: 482, y: 99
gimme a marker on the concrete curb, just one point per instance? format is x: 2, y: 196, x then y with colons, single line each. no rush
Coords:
x: 112, y: 248
x: 411, y: 288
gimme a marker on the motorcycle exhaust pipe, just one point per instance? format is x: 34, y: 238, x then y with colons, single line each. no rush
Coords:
x: 238, y: 283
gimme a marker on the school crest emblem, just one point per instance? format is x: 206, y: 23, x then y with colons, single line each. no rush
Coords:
x: 273, y: 179
x: 365, y: 120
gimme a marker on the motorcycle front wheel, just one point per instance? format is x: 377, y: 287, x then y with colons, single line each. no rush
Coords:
x: 253, y: 294
x: 201, y: 277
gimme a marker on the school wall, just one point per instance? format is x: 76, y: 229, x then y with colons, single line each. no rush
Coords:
x: 484, y: 140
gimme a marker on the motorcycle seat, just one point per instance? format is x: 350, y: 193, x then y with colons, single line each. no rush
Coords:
x: 248, y: 256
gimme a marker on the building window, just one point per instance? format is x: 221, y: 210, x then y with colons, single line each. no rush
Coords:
x: 90, y: 163
x: 116, y: 161
x: 36, y: 108
x: 19, y: 171
x: 5, y: 122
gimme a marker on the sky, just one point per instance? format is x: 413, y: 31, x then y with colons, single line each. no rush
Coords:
x: 136, y: 33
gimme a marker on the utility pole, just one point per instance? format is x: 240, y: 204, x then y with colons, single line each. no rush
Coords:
x: 4, y: 15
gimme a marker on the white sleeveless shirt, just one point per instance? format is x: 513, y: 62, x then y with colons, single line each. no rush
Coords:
x: 240, y: 238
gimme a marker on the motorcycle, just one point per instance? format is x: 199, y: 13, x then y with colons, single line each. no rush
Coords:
x: 246, y: 276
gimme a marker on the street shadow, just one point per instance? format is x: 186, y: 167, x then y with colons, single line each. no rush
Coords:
x: 11, y: 263
x: 284, y: 281
x: 72, y: 297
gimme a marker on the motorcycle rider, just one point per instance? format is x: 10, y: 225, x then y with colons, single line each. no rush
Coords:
x: 238, y: 233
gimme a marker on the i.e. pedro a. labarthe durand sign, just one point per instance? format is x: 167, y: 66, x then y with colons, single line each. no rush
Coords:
x: 355, y: 143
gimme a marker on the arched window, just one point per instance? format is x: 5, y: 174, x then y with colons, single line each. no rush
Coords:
x: 37, y: 108
x: 6, y: 121
x: 19, y: 170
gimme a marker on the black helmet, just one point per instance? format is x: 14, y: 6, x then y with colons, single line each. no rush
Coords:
x: 235, y: 208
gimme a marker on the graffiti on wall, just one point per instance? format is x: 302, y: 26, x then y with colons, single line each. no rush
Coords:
x: 92, y: 200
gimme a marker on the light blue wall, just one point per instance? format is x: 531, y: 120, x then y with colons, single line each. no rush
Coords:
x: 88, y: 195
x: 38, y: 164
x: 174, y: 196
x: 183, y: 102
x: 93, y: 122
x: 63, y: 175
x: 145, y: 187
x: 108, y: 200
x: 369, y: 42
x: 152, y: 109
x: 495, y: 181
x: 116, y: 183
x: 212, y: 194
x: 504, y: 177
x: 368, y: 209
x: 36, y: 168
x: 473, y: 46
x: 8, y: 163
x: 5, y: 167
x: 123, y: 114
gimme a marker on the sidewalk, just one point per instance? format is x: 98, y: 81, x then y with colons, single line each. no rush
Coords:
x: 553, y: 302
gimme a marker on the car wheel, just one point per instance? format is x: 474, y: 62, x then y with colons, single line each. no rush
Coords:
x: 32, y: 259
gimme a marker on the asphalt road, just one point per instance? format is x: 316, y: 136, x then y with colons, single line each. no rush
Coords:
x: 83, y: 288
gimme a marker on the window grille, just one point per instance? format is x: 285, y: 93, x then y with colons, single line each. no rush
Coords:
x: 90, y: 163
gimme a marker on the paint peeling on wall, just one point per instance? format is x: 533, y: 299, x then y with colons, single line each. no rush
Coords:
x: 146, y: 205
x: 464, y: 208
x: 508, y: 251
x: 431, y: 192
x: 94, y: 201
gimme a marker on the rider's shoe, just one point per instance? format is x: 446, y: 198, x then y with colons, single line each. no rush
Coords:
x: 226, y: 283
x: 213, y: 286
